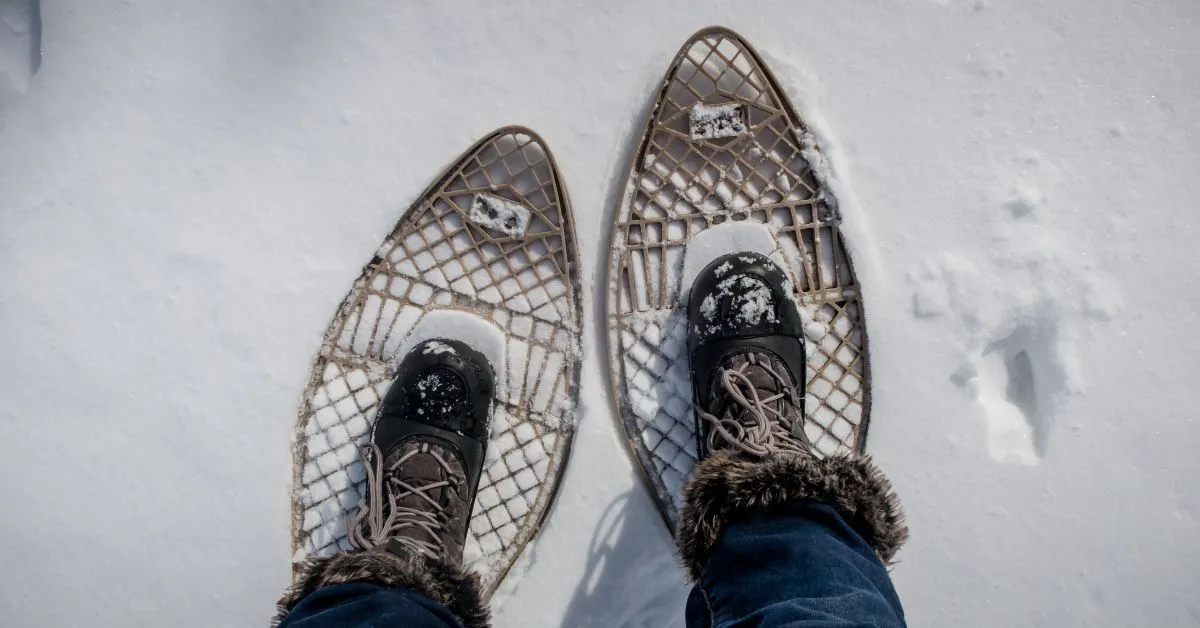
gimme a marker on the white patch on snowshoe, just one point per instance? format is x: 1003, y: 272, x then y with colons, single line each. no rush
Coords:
x: 715, y: 122
x: 500, y: 214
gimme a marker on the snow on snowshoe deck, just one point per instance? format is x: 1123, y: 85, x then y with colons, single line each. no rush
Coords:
x: 726, y: 165
x: 486, y: 255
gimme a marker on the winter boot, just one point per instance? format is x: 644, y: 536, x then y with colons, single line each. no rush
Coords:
x: 426, y: 454
x: 747, y: 352
x: 423, y: 467
x: 746, y: 345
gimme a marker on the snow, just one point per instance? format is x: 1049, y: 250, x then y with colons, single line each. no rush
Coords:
x: 438, y: 348
x: 186, y: 191
x: 755, y: 298
x: 752, y: 295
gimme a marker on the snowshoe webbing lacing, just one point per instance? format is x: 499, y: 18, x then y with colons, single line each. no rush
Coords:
x: 755, y: 409
x: 418, y: 522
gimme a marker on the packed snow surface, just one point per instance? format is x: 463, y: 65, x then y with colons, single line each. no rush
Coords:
x: 187, y: 189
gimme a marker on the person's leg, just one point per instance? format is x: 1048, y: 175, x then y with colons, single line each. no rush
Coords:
x: 360, y: 588
x: 803, y: 568
x: 363, y: 605
x: 791, y: 541
x: 422, y: 470
x: 771, y: 533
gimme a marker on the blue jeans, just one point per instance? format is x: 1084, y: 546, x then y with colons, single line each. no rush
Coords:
x: 366, y: 605
x: 804, y: 568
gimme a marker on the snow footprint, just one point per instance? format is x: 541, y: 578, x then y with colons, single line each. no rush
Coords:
x: 1017, y: 309
x: 1019, y: 380
x: 1017, y: 358
x: 20, y: 47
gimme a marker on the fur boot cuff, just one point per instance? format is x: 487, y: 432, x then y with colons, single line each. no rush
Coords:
x: 455, y: 587
x: 726, y: 488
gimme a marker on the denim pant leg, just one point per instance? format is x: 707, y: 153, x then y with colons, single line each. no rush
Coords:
x: 366, y: 605
x: 803, y: 568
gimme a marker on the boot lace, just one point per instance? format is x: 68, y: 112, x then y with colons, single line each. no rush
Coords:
x: 753, y: 423
x: 381, y: 518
